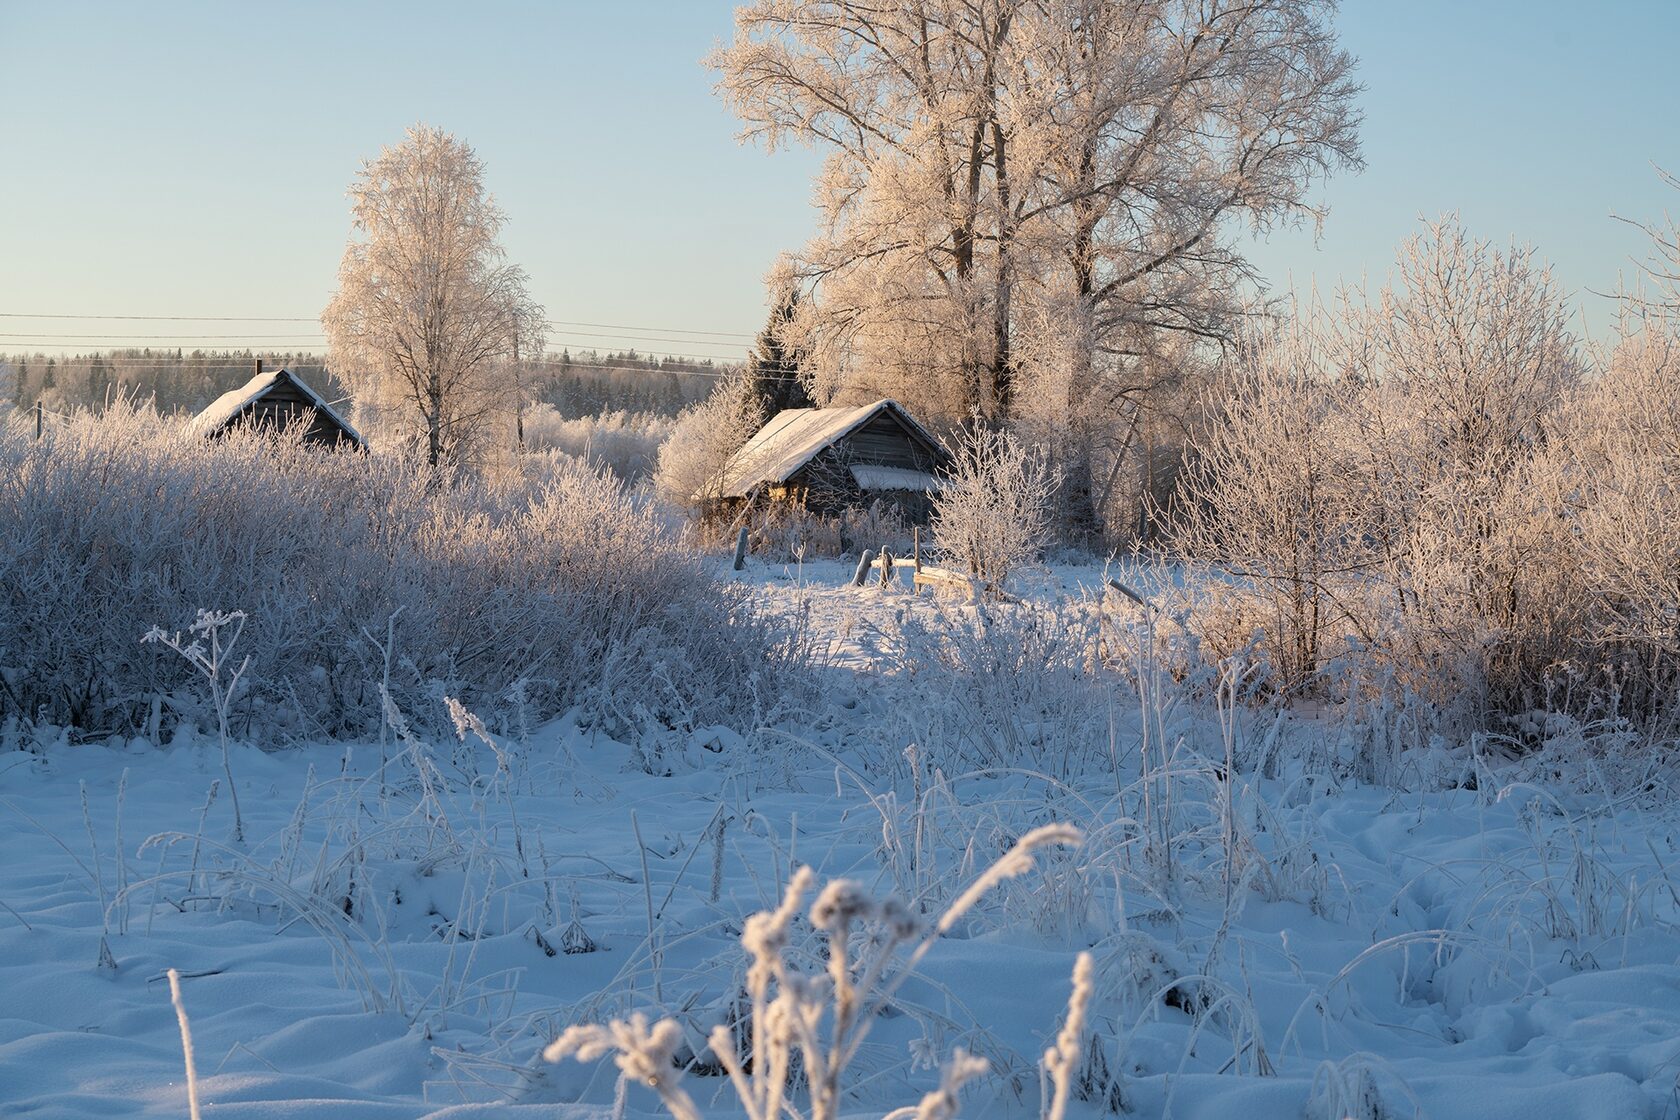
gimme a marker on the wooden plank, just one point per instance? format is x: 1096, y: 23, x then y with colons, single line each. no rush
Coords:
x: 941, y: 577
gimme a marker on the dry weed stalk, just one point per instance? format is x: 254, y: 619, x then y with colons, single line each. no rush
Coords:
x: 855, y: 988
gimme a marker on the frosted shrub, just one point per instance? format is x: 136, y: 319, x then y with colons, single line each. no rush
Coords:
x: 626, y: 443
x: 692, y: 459
x: 1001, y: 685
x: 1466, y: 361
x: 1267, y: 499
x: 1626, y: 538
x: 1402, y: 499
x: 552, y: 577
x: 995, y: 510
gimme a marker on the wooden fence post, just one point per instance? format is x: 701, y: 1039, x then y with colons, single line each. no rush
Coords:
x: 864, y: 561
x: 37, y: 420
x: 741, y: 549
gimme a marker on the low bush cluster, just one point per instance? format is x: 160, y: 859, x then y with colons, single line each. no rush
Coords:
x: 532, y: 590
x: 1437, y: 496
x: 626, y: 443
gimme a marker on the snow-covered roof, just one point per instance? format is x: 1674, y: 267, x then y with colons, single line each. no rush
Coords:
x: 225, y: 408
x: 795, y: 436
x: 872, y: 476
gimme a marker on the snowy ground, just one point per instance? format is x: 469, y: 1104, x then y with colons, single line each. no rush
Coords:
x: 397, y: 943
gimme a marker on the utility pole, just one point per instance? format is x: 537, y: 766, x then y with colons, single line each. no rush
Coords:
x: 519, y: 395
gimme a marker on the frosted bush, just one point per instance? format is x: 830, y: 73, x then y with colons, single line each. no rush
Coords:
x: 554, y: 577
x: 1268, y: 498
x: 692, y: 459
x: 1428, y: 503
x: 994, y: 512
x: 999, y: 685
x: 626, y: 443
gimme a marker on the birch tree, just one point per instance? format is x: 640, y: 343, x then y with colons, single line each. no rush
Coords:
x: 1661, y: 267
x: 903, y: 99
x: 1029, y: 205
x: 429, y: 319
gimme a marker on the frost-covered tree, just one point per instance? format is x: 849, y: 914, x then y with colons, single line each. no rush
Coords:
x: 692, y: 458
x: 429, y: 319
x: 1661, y: 268
x: 1402, y: 477
x: 1473, y: 343
x: 1027, y: 206
x: 1625, y: 512
x: 1467, y: 359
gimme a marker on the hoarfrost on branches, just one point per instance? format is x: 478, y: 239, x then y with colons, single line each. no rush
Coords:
x: 429, y: 319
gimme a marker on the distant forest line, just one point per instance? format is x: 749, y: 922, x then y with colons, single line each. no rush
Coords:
x: 577, y: 385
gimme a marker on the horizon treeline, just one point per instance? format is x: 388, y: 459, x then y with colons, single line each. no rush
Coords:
x: 175, y: 380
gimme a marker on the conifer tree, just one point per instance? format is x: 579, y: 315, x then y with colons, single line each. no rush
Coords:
x: 775, y: 368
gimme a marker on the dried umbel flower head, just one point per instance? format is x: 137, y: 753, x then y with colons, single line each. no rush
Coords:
x: 840, y: 904
x: 643, y: 1053
x: 765, y: 933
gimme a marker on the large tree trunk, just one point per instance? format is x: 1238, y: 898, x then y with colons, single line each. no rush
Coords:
x: 1001, y: 388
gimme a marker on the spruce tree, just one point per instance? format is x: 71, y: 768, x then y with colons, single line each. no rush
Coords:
x: 774, y: 369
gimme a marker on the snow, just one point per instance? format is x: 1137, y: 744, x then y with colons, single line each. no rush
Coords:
x: 870, y: 476
x: 792, y: 438
x: 1510, y: 951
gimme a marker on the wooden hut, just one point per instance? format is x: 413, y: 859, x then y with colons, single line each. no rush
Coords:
x: 278, y: 399
x: 830, y: 458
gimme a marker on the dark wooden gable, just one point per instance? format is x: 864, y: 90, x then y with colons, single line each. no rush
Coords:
x: 888, y: 441
x: 286, y: 402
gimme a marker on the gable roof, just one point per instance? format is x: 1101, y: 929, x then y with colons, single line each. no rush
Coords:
x: 228, y: 407
x: 795, y: 436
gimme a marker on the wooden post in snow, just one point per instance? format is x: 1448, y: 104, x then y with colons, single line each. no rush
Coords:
x: 864, y: 562
x: 37, y: 421
x: 886, y: 567
x: 741, y: 549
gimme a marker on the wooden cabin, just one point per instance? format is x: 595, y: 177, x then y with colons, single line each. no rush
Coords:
x: 277, y: 399
x: 831, y: 458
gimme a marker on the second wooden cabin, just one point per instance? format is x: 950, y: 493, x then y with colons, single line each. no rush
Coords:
x: 830, y: 458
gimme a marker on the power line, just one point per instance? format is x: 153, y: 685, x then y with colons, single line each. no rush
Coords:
x: 316, y: 319
x: 732, y: 346
x: 575, y: 340
x: 48, y: 338
x: 165, y: 318
x: 658, y: 355
x: 670, y: 330
x: 228, y: 361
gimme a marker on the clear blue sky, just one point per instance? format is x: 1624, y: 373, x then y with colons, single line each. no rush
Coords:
x: 191, y: 158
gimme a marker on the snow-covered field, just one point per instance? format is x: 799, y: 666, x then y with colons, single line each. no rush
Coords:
x: 1273, y: 936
